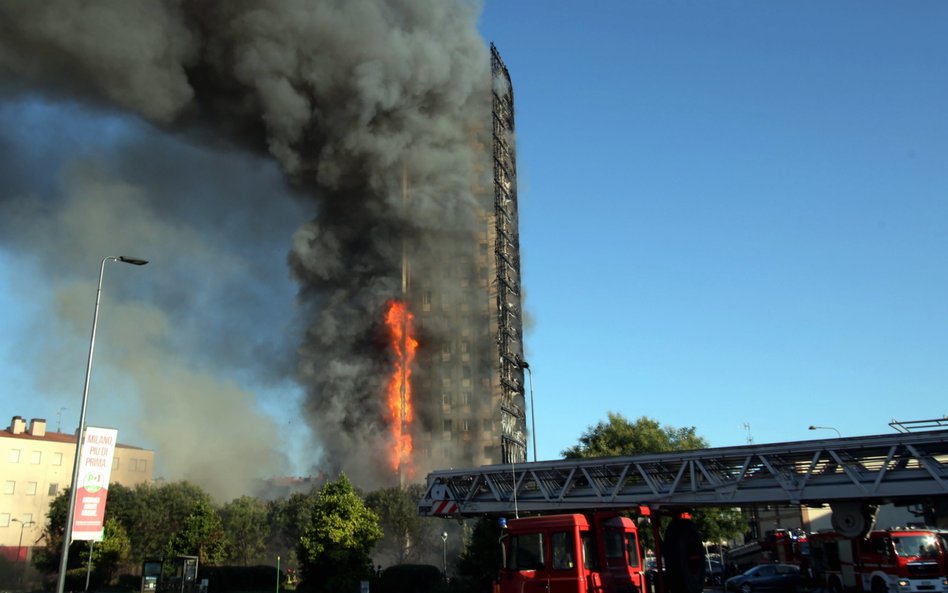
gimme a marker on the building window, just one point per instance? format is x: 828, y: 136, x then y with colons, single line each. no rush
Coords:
x: 446, y: 399
x: 31, y: 488
x: 53, y: 490
x: 447, y: 425
x: 4, y: 519
x: 57, y: 458
x: 14, y: 456
x: 36, y: 457
x: 466, y: 425
x: 27, y: 517
x: 115, y: 463
x: 139, y: 465
x: 446, y: 347
x: 465, y: 345
x: 426, y: 301
x: 9, y: 487
x: 486, y: 425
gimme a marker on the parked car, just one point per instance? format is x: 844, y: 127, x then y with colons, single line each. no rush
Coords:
x: 766, y: 577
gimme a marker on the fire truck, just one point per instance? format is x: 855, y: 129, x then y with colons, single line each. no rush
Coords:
x: 786, y: 546
x: 571, y: 553
x: 846, y: 473
x: 893, y: 560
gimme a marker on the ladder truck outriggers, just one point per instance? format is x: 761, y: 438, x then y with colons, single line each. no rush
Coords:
x: 851, y: 474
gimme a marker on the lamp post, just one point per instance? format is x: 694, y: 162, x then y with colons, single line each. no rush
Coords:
x: 533, y: 425
x: 826, y: 428
x: 444, y: 553
x: 70, y: 510
x: 19, y: 545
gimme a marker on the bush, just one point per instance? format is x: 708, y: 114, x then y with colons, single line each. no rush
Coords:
x: 239, y: 578
x: 411, y: 578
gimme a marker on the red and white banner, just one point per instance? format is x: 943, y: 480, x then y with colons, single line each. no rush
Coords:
x: 95, y: 467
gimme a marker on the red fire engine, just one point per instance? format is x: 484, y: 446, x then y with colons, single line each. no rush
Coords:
x: 786, y: 546
x: 893, y: 560
x: 595, y: 553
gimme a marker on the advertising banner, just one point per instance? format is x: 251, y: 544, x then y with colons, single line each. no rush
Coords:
x: 95, y: 468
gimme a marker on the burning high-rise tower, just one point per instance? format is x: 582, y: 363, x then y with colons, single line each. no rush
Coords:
x: 473, y: 367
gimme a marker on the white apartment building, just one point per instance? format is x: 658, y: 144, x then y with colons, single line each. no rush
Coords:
x: 35, y: 465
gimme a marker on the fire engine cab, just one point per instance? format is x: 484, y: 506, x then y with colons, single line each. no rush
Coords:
x: 575, y: 553
x: 890, y: 560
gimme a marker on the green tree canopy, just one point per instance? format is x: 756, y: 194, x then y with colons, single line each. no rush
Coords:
x: 335, y: 544
x: 245, y: 523
x: 406, y: 536
x: 481, y: 560
x: 201, y: 535
x: 287, y: 518
x: 618, y: 436
x: 109, y: 555
x: 155, y: 514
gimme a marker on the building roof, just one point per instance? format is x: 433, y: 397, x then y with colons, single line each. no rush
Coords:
x: 54, y: 437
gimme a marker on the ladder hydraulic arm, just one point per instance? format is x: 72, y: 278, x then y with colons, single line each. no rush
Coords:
x: 901, y: 468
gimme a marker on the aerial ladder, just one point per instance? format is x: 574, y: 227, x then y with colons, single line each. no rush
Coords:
x: 851, y: 474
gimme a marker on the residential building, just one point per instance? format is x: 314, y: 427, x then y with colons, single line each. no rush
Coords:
x: 35, y: 466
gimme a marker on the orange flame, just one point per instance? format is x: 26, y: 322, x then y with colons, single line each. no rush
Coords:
x: 399, y: 321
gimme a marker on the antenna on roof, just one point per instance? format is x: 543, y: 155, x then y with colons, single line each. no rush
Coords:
x: 59, y: 419
x: 750, y: 437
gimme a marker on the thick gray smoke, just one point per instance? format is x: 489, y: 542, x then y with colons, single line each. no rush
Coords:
x: 355, y: 99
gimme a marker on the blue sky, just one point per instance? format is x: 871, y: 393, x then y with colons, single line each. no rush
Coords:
x: 733, y: 214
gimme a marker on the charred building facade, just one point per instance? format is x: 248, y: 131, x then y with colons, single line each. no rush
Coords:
x: 475, y: 365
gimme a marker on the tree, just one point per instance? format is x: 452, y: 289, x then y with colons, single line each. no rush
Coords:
x: 480, y: 561
x: 201, y: 535
x: 46, y: 559
x: 406, y: 536
x: 287, y: 518
x: 109, y: 554
x: 618, y: 436
x: 245, y: 523
x: 335, y: 544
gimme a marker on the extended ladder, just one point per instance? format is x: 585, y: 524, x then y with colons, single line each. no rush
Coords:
x: 904, y: 468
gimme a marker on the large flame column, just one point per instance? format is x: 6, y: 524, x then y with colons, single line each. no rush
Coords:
x: 399, y: 321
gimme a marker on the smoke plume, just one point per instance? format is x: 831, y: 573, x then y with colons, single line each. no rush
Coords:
x: 190, y: 101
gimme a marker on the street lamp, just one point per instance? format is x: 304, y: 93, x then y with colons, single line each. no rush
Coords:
x: 533, y: 424
x: 70, y: 510
x: 19, y: 545
x: 826, y: 428
x: 444, y: 554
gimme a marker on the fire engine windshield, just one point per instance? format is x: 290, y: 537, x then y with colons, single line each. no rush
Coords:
x: 916, y: 546
x: 526, y: 552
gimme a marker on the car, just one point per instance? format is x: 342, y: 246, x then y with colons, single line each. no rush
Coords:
x: 766, y: 577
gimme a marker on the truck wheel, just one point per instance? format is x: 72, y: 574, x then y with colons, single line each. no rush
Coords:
x: 835, y: 586
x: 879, y: 586
x: 746, y: 588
